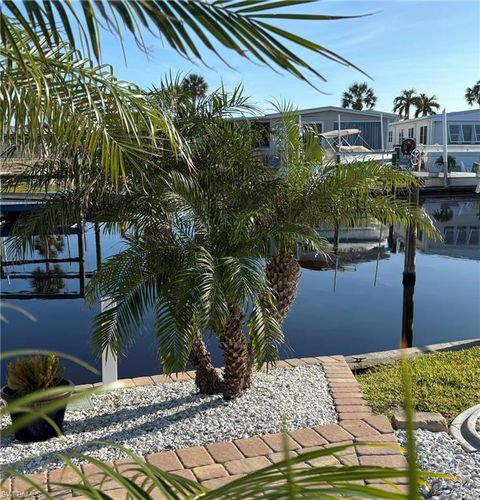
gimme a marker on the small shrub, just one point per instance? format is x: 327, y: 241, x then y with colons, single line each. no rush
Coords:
x: 33, y: 373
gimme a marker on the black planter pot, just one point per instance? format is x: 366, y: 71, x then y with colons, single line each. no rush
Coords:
x: 40, y: 429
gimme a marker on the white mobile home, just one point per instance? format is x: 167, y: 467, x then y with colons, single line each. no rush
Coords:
x: 463, y: 138
x: 370, y: 123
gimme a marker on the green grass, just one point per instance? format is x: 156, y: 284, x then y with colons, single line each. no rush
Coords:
x: 23, y: 187
x: 447, y: 383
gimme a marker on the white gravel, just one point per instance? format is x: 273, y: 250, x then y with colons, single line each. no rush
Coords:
x: 440, y: 452
x: 171, y: 416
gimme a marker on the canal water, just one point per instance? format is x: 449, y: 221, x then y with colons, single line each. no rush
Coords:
x: 353, y: 307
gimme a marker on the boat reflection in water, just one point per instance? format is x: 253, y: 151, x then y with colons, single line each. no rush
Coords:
x: 348, y: 247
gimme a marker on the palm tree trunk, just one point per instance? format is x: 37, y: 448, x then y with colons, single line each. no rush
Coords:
x: 207, y: 379
x: 236, y: 355
x: 283, y: 275
x: 250, y: 368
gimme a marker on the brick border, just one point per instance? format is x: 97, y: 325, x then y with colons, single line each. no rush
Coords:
x: 216, y: 464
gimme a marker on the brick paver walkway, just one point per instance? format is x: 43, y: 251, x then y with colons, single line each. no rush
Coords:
x: 216, y: 464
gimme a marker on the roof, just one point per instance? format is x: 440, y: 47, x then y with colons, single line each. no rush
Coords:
x: 338, y: 109
x: 466, y: 115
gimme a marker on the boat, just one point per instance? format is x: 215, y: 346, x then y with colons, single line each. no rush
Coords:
x: 347, y: 145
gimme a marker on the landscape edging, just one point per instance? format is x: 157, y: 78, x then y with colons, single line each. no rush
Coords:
x: 356, y: 424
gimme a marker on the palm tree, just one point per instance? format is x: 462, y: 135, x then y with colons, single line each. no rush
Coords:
x: 315, y: 195
x: 207, y: 276
x: 220, y: 153
x: 195, y: 85
x: 404, y: 102
x: 359, y: 96
x: 425, y: 105
x: 472, y: 94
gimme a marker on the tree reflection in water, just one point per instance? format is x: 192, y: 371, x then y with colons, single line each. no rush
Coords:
x: 49, y: 280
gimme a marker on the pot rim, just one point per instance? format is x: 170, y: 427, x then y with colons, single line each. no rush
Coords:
x: 8, y: 394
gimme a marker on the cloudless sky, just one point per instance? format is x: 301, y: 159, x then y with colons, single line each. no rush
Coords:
x: 432, y: 46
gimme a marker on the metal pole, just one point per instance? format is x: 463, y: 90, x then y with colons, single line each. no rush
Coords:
x: 445, y: 149
x: 339, y: 139
x: 109, y: 360
x: 378, y: 254
x: 81, y: 256
x: 382, y: 140
x: 409, y: 278
x: 98, y: 245
x: 336, y: 241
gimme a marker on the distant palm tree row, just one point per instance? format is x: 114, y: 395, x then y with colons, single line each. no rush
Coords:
x: 360, y: 96
x: 408, y: 98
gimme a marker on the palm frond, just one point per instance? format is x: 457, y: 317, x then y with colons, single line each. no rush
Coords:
x: 174, y: 333
x: 264, y: 331
x: 185, y: 25
x: 80, y: 106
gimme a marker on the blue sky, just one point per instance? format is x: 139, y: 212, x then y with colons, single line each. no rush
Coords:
x: 432, y: 46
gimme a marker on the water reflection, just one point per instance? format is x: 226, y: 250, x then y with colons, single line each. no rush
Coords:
x: 44, y: 271
x: 459, y: 224
x: 364, y: 314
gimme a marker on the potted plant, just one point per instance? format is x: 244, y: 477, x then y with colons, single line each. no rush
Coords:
x: 451, y: 162
x: 34, y: 373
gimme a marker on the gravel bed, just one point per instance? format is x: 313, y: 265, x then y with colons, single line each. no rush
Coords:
x: 171, y: 416
x: 440, y: 452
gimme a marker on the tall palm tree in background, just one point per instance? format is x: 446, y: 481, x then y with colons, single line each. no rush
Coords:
x: 472, y: 94
x: 404, y: 102
x: 195, y: 85
x: 316, y: 195
x: 359, y: 96
x: 426, y: 105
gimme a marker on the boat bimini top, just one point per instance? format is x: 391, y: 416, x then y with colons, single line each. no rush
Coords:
x: 341, y: 141
x: 335, y: 134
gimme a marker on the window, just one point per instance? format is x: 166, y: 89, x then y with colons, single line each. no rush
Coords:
x: 477, y: 133
x: 468, y: 135
x: 423, y: 134
x: 448, y: 235
x: 316, y: 126
x: 464, y: 133
x: 462, y: 235
x: 454, y: 134
x: 400, y: 136
x: 474, y: 235
x: 390, y: 136
x: 410, y: 132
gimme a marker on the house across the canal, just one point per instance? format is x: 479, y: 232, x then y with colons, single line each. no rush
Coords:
x: 371, y: 124
x: 463, y: 139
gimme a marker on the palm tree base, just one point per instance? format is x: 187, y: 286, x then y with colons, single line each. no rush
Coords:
x: 207, y: 379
